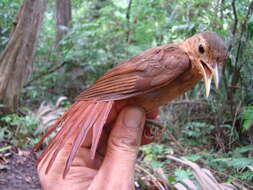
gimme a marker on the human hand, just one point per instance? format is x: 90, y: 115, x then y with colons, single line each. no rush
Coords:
x: 113, y: 166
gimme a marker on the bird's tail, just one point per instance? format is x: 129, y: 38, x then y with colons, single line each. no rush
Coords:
x: 81, y: 117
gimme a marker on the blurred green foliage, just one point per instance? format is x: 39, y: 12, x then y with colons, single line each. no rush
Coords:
x: 105, y: 33
x: 19, y: 130
x: 247, y: 117
x: 8, y: 11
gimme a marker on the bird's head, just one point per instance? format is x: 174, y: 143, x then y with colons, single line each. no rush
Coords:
x: 207, y: 52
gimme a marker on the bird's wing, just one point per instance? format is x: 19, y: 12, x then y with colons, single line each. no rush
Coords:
x: 143, y: 73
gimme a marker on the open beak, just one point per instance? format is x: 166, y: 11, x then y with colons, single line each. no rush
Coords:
x: 208, y: 72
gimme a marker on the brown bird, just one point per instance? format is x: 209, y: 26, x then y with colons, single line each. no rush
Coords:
x: 149, y: 80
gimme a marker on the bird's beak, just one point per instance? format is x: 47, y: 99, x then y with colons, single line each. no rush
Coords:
x: 216, y: 76
x: 208, y: 73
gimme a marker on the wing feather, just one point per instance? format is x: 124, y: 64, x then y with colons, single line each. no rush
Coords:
x: 143, y: 73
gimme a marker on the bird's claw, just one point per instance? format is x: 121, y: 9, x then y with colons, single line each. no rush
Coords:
x: 152, y: 130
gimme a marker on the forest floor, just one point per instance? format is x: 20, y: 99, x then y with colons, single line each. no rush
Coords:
x: 18, y: 171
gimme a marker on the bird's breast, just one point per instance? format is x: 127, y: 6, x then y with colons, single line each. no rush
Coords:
x: 163, y: 95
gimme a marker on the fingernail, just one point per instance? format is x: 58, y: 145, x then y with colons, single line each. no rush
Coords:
x: 133, y: 117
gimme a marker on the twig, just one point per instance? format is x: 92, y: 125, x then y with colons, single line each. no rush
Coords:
x: 186, y: 162
x: 243, y: 26
x: 230, y: 47
x: 154, y: 179
x: 234, y: 121
x: 221, y: 9
x: 234, y: 25
x: 188, y: 102
x: 236, y: 68
x: 235, y: 17
x: 227, y: 175
x: 128, y: 21
x: 42, y: 74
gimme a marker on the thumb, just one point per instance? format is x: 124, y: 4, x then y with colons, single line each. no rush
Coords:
x: 126, y: 134
x: 117, y: 169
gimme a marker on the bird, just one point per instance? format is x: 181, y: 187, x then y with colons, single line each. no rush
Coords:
x: 149, y: 80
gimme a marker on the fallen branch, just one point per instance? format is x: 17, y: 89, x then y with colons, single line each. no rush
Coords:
x: 154, y: 179
x: 206, y: 179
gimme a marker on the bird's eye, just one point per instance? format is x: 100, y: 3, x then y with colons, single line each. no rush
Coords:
x: 201, y: 49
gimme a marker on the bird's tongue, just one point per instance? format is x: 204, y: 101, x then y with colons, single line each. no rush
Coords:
x: 207, y: 70
x: 207, y: 74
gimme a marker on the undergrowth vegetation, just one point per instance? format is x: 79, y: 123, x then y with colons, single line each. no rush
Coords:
x: 216, y: 133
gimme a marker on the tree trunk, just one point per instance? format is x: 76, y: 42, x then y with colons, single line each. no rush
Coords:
x: 16, y: 59
x: 63, y: 18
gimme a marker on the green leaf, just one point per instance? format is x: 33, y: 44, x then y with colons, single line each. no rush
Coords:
x: 235, y: 162
x: 192, y: 157
x: 182, y: 174
x: 171, y: 179
x: 247, y: 116
x: 241, y: 150
x: 5, y: 148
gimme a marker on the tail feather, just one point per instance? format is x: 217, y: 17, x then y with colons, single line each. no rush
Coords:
x: 79, y: 119
x: 64, y: 124
x: 90, y: 120
x: 54, y: 127
x: 98, y: 128
x: 70, y: 126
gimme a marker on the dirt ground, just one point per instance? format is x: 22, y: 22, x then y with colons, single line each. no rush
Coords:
x: 18, y: 172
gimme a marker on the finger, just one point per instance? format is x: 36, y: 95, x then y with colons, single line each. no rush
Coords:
x: 126, y: 133
x: 79, y: 176
x: 117, y: 169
